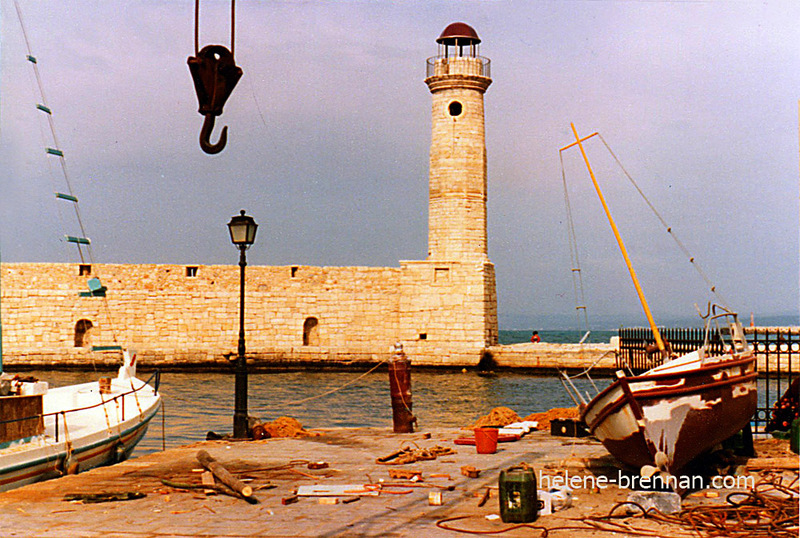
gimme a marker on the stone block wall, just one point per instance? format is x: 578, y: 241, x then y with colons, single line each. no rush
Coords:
x: 190, y: 314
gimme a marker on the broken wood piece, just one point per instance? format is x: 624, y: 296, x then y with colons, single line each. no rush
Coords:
x: 391, y: 456
x: 301, y: 473
x: 470, y: 471
x: 223, y: 475
x: 328, y: 500
x: 435, y: 498
x: 318, y: 465
x: 337, y: 490
x: 348, y: 500
x: 291, y: 499
x: 207, y: 478
x: 485, y: 497
x: 213, y: 489
x: 90, y: 498
x: 404, y: 474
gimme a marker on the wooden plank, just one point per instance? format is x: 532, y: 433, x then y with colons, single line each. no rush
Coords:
x: 223, y: 475
x: 14, y: 408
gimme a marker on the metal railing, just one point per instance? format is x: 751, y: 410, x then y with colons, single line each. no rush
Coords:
x: 155, y: 377
x: 458, y: 65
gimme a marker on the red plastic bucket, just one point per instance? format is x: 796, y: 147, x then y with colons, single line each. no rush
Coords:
x: 486, y: 440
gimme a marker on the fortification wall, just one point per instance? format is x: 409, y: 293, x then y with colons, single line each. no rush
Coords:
x: 190, y: 314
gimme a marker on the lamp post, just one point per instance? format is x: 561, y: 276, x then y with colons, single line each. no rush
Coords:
x: 243, y: 233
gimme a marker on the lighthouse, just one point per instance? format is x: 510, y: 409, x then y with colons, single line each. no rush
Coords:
x: 457, y: 78
x: 448, y: 309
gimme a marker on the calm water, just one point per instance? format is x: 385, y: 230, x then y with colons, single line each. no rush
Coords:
x: 195, y: 403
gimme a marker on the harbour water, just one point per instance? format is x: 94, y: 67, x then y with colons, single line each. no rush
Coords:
x: 195, y: 403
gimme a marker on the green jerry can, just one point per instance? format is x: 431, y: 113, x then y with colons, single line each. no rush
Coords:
x: 519, y: 501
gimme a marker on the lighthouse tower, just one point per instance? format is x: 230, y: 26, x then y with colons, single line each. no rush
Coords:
x: 448, y: 310
x: 457, y: 78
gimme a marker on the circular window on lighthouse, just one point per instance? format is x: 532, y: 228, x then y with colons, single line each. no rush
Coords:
x: 455, y: 108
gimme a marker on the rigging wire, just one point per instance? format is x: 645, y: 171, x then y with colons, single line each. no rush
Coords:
x: 44, y: 107
x: 664, y: 223
x: 577, y: 275
x: 51, y: 122
x: 197, y: 26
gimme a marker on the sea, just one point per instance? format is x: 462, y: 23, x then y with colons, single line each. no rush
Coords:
x: 197, y: 403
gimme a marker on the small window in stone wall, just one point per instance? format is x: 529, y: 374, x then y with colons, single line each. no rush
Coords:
x: 294, y: 270
x: 441, y: 274
x: 191, y: 271
x: 83, y: 336
x: 311, y: 332
x: 84, y: 269
x: 423, y: 336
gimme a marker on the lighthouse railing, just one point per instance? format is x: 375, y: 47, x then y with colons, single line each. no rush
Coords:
x: 458, y: 65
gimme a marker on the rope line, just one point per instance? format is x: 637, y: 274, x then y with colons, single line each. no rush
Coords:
x: 577, y: 274
x: 664, y: 223
x: 45, y: 108
x: 328, y: 393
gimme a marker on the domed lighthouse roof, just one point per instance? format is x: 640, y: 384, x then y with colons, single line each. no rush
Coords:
x: 458, y: 33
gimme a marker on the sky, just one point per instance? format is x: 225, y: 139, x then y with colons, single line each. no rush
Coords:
x: 329, y: 133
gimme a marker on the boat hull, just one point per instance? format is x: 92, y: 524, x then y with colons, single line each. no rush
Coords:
x: 95, y: 435
x: 680, y: 411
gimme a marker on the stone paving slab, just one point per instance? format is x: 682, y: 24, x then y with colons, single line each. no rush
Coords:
x: 38, y: 510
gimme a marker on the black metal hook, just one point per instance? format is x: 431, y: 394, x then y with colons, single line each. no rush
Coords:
x: 205, y: 136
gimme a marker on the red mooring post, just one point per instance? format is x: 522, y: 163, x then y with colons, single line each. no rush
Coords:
x: 400, y: 388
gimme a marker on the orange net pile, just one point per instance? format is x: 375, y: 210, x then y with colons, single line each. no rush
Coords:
x: 497, y: 417
x: 281, y: 427
x: 559, y: 412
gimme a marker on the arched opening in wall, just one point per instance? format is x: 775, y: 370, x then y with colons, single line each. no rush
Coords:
x: 83, y: 333
x: 311, y: 332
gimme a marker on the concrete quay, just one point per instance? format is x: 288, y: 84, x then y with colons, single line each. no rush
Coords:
x: 400, y: 509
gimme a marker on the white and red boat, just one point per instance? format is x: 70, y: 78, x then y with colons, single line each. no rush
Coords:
x: 46, y: 433
x: 671, y: 414
x: 664, y: 418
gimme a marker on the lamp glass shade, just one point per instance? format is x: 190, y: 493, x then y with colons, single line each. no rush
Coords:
x: 243, y: 229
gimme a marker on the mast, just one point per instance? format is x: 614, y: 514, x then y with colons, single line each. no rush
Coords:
x: 639, y: 292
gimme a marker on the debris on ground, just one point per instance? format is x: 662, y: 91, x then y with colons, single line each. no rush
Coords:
x: 665, y: 502
x: 470, y: 471
x: 411, y: 455
x: 89, y: 498
x: 545, y: 417
x: 404, y: 474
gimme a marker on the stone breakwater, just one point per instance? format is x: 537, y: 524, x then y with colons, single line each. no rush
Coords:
x: 544, y: 358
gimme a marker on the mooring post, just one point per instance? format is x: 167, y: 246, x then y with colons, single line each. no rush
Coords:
x: 400, y: 388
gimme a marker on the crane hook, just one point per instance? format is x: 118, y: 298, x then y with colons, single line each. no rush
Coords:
x: 205, y: 136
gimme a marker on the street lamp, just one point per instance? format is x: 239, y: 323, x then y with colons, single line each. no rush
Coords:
x: 243, y: 233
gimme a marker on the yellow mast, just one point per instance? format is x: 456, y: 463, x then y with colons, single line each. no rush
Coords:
x: 656, y: 333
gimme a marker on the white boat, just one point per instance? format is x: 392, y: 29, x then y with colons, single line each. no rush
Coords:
x: 46, y: 433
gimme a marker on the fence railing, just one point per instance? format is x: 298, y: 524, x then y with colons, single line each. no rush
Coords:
x: 459, y: 65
